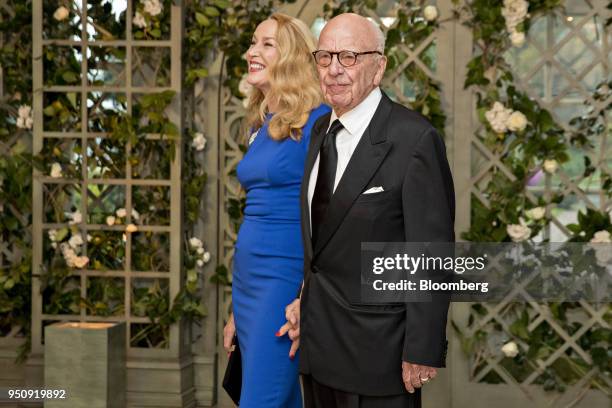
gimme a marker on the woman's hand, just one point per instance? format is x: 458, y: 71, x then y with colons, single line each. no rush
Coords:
x: 228, y: 334
x: 292, y: 327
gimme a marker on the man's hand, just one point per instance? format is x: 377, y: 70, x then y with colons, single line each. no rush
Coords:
x: 292, y: 327
x: 415, y: 375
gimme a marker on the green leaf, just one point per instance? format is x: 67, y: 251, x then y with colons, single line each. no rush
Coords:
x: 211, y: 11
x: 202, y: 19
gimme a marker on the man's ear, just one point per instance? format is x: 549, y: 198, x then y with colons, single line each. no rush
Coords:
x: 380, y: 70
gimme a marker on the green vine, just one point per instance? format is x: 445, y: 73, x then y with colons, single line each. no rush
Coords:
x: 528, y: 142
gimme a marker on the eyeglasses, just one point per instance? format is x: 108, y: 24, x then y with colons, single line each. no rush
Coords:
x: 345, y: 58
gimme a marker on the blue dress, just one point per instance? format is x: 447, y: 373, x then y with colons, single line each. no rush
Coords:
x: 268, y: 266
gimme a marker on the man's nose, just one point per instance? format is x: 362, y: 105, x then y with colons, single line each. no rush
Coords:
x: 335, y: 68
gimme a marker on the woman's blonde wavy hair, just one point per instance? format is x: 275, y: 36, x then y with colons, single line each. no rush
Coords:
x: 294, y: 84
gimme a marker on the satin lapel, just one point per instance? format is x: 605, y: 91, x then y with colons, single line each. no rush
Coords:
x: 316, y: 138
x: 367, y: 157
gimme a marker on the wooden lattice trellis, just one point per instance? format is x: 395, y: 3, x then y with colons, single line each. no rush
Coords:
x: 115, y: 73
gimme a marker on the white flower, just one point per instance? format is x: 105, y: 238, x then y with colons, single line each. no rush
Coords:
x: 151, y: 208
x: 195, y: 242
x: 599, y: 237
x: 244, y: 87
x: 200, y: 262
x: 536, y: 213
x: 199, y: 141
x: 139, y: 20
x: 68, y: 254
x: 200, y: 251
x: 56, y: 170
x: 52, y: 234
x: 80, y: 261
x: 24, y: 119
x: 110, y: 220
x: 430, y: 13
x: 516, y: 122
x: 61, y: 13
x: 89, y: 238
x: 75, y: 218
x: 135, y: 214
x: 518, y: 232
x: 124, y: 237
x: 517, y: 38
x: 514, y: 12
x: 498, y: 117
x: 121, y: 213
x: 206, y: 256
x: 131, y: 228
x: 54, y: 245
x: 152, y: 7
x: 550, y: 166
x: 75, y: 241
x: 510, y: 349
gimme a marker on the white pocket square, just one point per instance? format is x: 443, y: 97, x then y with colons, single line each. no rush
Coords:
x: 374, y: 190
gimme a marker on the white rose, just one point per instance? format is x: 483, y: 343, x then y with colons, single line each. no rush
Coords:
x: 110, y: 220
x: 80, y: 261
x: 139, y: 20
x: 124, y: 237
x: 131, y: 228
x: 89, y: 238
x: 135, y: 214
x: 518, y: 232
x: 121, y: 213
x: 153, y: 7
x: 199, y: 141
x: 599, y: 237
x: 206, y: 256
x: 510, y: 349
x: 200, y: 251
x: 244, y: 87
x: 517, y: 121
x: 550, y: 166
x: 536, y: 213
x: 195, y: 243
x: 75, y: 241
x: 517, y: 38
x: 498, y: 116
x: 430, y: 13
x: 24, y: 119
x: 200, y: 263
x: 56, y: 170
x: 61, y: 13
x: 76, y: 218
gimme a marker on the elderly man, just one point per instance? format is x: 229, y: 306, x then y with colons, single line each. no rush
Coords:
x: 375, y: 172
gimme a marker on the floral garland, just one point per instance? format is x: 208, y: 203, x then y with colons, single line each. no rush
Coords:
x: 527, y: 141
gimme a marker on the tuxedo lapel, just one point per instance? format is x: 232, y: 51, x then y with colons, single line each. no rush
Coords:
x: 316, y: 138
x: 367, y: 157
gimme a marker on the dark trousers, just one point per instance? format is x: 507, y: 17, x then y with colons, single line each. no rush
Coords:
x: 317, y: 395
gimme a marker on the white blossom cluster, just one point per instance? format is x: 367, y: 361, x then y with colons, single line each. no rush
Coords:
x: 602, y: 252
x: 503, y: 119
x: 245, y: 89
x: 150, y: 7
x: 203, y: 256
x: 70, y: 249
x: 24, y: 117
x: 118, y: 218
x: 430, y: 13
x: 56, y: 170
x: 515, y: 12
x: 199, y: 141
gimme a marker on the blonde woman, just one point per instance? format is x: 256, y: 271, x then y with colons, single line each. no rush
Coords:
x: 268, y: 260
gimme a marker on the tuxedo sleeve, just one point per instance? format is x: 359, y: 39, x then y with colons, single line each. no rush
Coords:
x: 428, y: 203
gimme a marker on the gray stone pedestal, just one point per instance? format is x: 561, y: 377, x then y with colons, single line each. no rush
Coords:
x: 88, y: 361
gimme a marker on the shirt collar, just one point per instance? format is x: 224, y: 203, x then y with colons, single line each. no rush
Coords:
x: 354, y: 119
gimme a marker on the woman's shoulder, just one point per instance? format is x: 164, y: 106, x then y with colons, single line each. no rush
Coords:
x: 319, y: 111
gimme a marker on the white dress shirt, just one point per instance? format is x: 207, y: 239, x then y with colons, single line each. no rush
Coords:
x: 355, y: 123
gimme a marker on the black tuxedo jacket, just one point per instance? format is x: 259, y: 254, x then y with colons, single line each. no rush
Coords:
x: 344, y: 343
